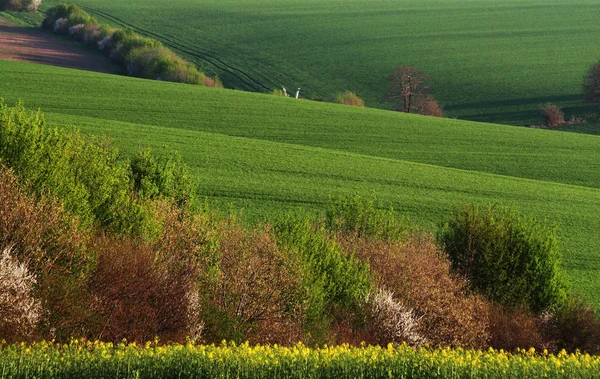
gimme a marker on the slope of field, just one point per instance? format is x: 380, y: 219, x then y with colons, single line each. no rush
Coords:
x: 494, y: 61
x: 266, y: 155
x: 32, y: 45
x: 514, y: 151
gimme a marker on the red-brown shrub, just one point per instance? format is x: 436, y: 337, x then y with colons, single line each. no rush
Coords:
x: 576, y: 326
x: 256, y: 294
x: 428, y: 106
x: 49, y: 240
x: 552, y: 115
x: 516, y: 328
x: 420, y: 278
x: 138, y: 294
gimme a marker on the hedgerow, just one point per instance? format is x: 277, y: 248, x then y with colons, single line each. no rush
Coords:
x: 136, y: 55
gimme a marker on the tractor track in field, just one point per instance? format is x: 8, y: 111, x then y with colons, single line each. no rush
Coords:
x: 32, y: 45
x: 242, y: 76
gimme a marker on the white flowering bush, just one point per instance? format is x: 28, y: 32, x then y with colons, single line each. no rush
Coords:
x: 392, y: 320
x: 61, y: 26
x: 19, y: 310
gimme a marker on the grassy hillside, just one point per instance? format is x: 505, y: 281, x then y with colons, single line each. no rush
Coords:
x: 495, y: 61
x: 266, y: 155
x: 513, y: 151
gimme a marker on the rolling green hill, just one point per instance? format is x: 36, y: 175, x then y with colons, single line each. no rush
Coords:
x: 267, y: 155
x: 494, y: 61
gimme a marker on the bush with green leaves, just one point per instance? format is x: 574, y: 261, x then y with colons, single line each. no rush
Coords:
x: 364, y: 217
x: 87, y: 175
x: 510, y: 259
x: 335, y: 280
x: 163, y: 177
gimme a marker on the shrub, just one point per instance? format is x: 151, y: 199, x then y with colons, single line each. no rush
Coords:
x: 20, y: 5
x: 138, y: 294
x: 162, y: 177
x: 391, y: 321
x: 552, y: 115
x: 420, y: 278
x: 513, y: 328
x: 83, y: 173
x: 257, y: 294
x: 19, y: 309
x: 348, y: 98
x: 575, y: 326
x: 510, y: 259
x: 51, y: 243
x: 136, y: 55
x: 364, y: 217
x: 591, y: 85
x: 428, y: 106
x: 72, y: 13
x: 335, y: 281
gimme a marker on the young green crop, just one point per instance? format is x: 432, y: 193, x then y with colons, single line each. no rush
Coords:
x: 492, y: 61
x: 97, y: 359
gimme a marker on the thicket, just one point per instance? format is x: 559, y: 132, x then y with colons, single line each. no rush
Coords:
x: 138, y: 56
x: 73, y: 264
x: 20, y: 5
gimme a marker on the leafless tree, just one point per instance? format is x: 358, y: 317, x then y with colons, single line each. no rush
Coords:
x: 409, y: 87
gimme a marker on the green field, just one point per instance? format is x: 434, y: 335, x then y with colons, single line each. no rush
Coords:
x: 494, y: 61
x: 267, y: 155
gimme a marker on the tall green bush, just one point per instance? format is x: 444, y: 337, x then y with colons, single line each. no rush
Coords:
x: 86, y: 174
x: 334, y: 279
x: 511, y: 259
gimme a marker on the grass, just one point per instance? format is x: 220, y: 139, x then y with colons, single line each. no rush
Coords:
x: 267, y: 155
x: 96, y: 359
x: 493, y: 61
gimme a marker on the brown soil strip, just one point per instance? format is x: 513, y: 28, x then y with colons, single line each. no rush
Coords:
x: 31, y: 45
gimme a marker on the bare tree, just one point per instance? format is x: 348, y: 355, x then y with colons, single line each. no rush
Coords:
x: 591, y: 85
x: 409, y: 87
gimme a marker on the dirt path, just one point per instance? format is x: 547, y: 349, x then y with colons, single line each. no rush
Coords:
x: 32, y: 45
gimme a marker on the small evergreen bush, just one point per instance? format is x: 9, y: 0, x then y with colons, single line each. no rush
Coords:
x: 510, y: 259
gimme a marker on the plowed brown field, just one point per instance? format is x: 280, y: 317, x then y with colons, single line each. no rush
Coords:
x: 32, y: 45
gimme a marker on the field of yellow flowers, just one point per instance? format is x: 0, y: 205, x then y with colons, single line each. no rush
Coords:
x: 104, y: 360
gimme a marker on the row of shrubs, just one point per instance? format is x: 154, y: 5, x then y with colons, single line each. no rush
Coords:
x: 138, y: 56
x: 74, y: 262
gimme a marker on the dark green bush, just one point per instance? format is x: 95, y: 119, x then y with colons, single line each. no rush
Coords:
x: 510, y: 259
